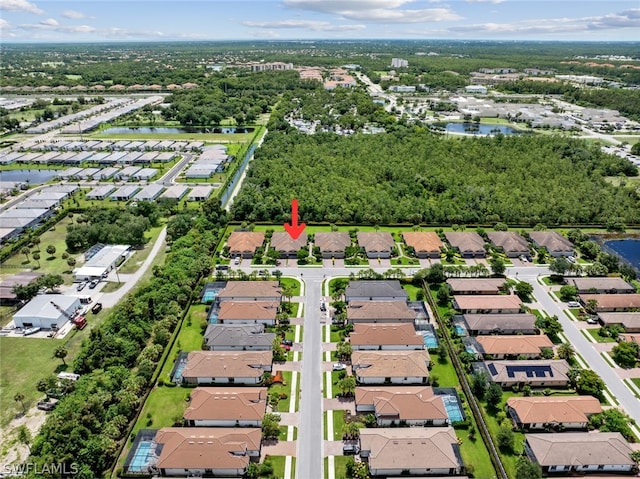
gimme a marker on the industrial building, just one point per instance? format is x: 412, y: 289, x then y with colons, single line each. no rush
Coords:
x: 106, y: 259
x: 41, y: 311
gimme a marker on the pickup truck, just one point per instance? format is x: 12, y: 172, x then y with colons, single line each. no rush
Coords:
x: 96, y: 308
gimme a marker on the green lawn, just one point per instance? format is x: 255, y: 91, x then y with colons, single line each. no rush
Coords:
x: 332, y: 283
x: 447, y: 377
x: 165, y: 405
x: 636, y: 381
x: 405, y: 261
x: 111, y: 286
x: 595, y: 333
x: 189, y: 337
x: 49, y: 264
x: 340, y: 464
x: 278, y: 465
x: 474, y: 453
x: 338, y: 423
x: 139, y: 256
x: 23, y: 362
x: 336, y: 336
x: 412, y: 290
x: 551, y: 282
x: 283, y: 405
x: 292, y: 283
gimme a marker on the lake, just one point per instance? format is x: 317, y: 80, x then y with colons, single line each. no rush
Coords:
x: 629, y: 249
x: 35, y: 177
x: 479, y: 129
x: 175, y: 130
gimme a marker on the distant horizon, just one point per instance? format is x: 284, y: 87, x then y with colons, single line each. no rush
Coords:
x: 97, y: 21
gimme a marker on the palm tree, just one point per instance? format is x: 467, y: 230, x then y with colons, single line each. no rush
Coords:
x: 351, y: 430
x: 36, y: 257
x: 24, y: 436
x: 19, y: 397
x: 36, y: 242
x: 566, y: 352
x: 25, y: 251
x: 61, y: 352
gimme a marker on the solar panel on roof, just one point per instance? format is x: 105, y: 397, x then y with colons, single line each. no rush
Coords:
x: 492, y: 369
x: 530, y: 371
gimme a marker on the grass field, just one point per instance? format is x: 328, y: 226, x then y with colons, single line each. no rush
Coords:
x: 140, y: 256
x: 164, y: 406
x: 23, y: 362
x: 111, y: 286
x: 595, y: 334
x: 338, y: 423
x: 292, y: 283
x: 278, y: 465
x: 412, y: 291
x: 447, y: 377
x: 48, y: 264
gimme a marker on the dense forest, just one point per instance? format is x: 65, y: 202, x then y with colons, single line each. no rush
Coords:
x: 416, y: 177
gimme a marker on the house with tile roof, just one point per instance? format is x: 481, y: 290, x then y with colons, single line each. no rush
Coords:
x: 426, y: 244
x: 244, y: 243
x: 511, y: 243
x: 391, y: 367
x: 226, y: 407
x: 376, y: 244
x: 332, y: 244
x: 379, y: 312
x: 372, y: 336
x: 402, y: 405
x: 226, y: 367
x: 551, y: 412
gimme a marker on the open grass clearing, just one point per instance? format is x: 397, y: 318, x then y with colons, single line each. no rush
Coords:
x: 292, y: 283
x: 277, y: 462
x: 446, y: 373
x: 140, y: 255
x: 595, y: 334
x: 164, y: 406
x: 412, y: 290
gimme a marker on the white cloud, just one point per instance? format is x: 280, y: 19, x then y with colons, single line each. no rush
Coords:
x: 383, y: 11
x: 73, y: 14
x: 53, y: 26
x: 613, y: 21
x: 4, y: 25
x: 316, y: 26
x: 20, y: 6
x: 484, y: 1
x: 52, y: 22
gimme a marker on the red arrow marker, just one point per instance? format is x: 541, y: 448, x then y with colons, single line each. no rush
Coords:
x: 294, y: 229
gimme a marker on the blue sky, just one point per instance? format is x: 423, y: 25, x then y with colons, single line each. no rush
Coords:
x: 154, y: 20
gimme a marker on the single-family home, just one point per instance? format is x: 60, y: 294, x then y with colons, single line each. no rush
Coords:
x: 375, y: 290
x: 468, y: 243
x: 612, y: 302
x: 238, y: 337
x: 288, y: 247
x: 511, y: 243
x: 391, y: 367
x: 191, y: 452
x: 512, y: 346
x: 537, y: 373
x: 370, y: 336
x: 376, y: 244
x: 426, y: 244
x: 332, y: 244
x: 100, y: 192
x: 630, y: 322
x: 251, y: 291
x: 484, y: 324
x: 175, y: 192
x: 580, y: 452
x: 124, y: 193
x: 200, y: 193
x: 402, y: 405
x: 226, y: 407
x: 605, y: 285
x: 244, y: 243
x: 552, y: 412
x: 149, y: 192
x: 248, y: 312
x: 487, y: 304
x: 226, y: 367
x: 379, y: 312
x: 476, y: 285
x: 553, y: 242
x: 417, y: 451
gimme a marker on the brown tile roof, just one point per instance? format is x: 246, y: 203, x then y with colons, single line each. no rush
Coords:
x: 407, y: 448
x: 500, y: 321
x: 466, y: 241
x: 227, y: 364
x: 580, y: 448
x: 558, y: 409
x: 612, y: 283
x: 245, y: 241
x: 388, y: 334
x: 630, y: 337
x: 522, y: 370
x: 404, y: 402
x: 363, y: 310
x: 627, y: 320
x: 480, y: 285
x: 487, y: 301
x: 281, y: 241
x: 206, y: 447
x: 509, y: 241
x: 334, y: 242
x: 253, y: 290
x: 513, y: 345
x: 551, y: 240
x: 627, y: 301
x: 428, y: 241
x: 379, y: 241
x: 227, y: 403
x: 390, y: 363
x: 239, y: 310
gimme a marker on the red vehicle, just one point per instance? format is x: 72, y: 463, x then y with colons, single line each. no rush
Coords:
x: 80, y: 322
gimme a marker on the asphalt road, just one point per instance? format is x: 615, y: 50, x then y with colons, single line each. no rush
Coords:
x: 593, y: 359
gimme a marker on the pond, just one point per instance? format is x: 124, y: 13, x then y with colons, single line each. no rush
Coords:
x: 628, y: 249
x: 175, y: 130
x: 35, y: 177
x: 479, y: 129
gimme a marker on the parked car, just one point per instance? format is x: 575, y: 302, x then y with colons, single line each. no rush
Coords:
x: 592, y: 320
x: 81, y: 285
x: 94, y: 283
x: 96, y: 308
x: 573, y: 304
x: 571, y: 259
x: 350, y: 449
x: 339, y: 367
x: 236, y: 260
x: 287, y: 342
x: 323, y: 306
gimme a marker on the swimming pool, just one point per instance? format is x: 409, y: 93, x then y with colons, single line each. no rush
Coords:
x: 177, y: 375
x: 453, y: 407
x: 142, y: 457
x: 213, y: 317
x: 430, y: 339
x: 460, y: 331
x: 210, y: 295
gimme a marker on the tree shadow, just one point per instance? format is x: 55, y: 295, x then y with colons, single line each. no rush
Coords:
x: 60, y: 368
